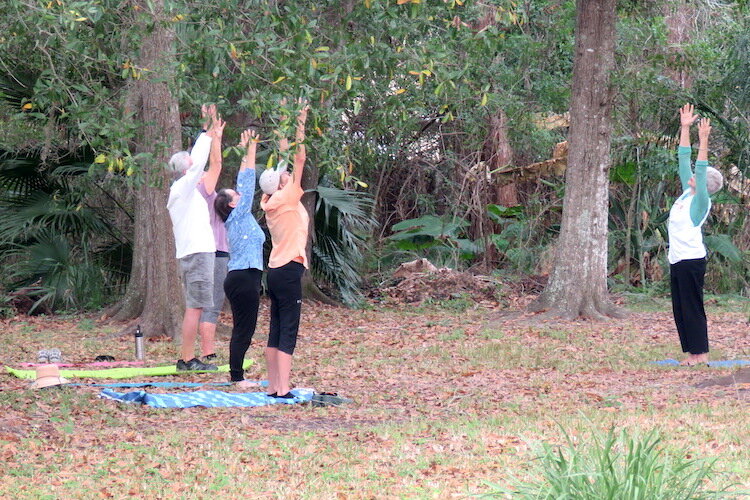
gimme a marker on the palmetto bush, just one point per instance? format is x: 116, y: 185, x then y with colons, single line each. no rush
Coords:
x: 343, y: 222
x: 58, y: 243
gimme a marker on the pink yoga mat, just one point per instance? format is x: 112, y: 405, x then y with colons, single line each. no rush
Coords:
x: 96, y: 363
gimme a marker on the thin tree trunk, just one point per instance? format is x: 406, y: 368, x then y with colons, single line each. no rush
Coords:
x: 578, y: 282
x: 154, y: 295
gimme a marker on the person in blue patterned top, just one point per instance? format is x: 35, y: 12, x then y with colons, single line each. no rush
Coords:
x: 246, y: 238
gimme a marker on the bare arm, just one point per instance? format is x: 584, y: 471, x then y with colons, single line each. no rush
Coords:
x: 211, y: 177
x: 301, y: 155
x: 249, y: 141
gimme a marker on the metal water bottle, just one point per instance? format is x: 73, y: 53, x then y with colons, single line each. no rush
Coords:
x: 138, y: 343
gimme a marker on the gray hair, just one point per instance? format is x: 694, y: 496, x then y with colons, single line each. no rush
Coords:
x: 179, y: 161
x: 714, y: 180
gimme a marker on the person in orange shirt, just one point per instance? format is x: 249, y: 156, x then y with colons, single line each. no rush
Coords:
x: 287, y: 222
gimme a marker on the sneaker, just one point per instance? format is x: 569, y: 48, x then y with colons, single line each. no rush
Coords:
x: 209, y: 357
x: 55, y: 356
x: 43, y: 356
x: 195, y: 365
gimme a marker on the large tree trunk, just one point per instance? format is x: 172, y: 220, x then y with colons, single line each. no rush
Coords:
x: 154, y: 296
x: 578, y: 282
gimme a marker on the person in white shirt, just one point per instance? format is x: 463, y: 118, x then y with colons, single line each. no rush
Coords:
x: 194, y: 239
x: 687, y: 254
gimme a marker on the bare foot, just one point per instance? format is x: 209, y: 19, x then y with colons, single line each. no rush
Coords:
x: 695, y: 359
x: 247, y: 384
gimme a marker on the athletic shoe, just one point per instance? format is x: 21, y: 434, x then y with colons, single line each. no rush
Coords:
x: 55, y: 356
x: 209, y: 357
x: 195, y: 365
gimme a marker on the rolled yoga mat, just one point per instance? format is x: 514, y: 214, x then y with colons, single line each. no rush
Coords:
x: 120, y: 373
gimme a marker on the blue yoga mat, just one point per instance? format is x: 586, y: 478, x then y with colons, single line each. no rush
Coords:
x: 727, y: 363
x: 210, y: 399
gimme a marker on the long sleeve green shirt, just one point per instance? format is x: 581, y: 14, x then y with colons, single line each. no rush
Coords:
x: 700, y: 204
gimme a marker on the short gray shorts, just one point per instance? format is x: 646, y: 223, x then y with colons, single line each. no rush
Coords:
x: 198, y: 279
x: 211, y: 314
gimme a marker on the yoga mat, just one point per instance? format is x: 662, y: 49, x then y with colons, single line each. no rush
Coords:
x: 209, y: 399
x: 83, y: 365
x: 164, y: 385
x: 117, y: 373
x: 727, y: 363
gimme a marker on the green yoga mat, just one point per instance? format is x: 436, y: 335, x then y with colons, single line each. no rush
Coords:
x: 117, y: 373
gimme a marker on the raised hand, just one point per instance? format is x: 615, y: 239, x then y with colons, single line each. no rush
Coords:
x: 217, y: 128
x: 301, y: 119
x: 687, y: 115
x: 248, y: 137
x: 704, y: 130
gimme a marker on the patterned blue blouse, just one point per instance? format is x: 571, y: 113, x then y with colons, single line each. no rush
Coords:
x: 245, y: 236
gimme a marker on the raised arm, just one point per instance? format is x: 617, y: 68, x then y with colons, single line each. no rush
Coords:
x: 701, y: 202
x: 249, y: 142
x: 299, y: 137
x: 211, y: 177
x: 687, y: 118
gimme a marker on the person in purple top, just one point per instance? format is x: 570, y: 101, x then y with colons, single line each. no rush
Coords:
x: 207, y: 188
x: 245, y: 268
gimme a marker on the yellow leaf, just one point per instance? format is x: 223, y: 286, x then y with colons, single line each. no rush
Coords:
x: 79, y: 19
x: 460, y: 2
x: 484, y: 100
x: 28, y: 105
x: 320, y: 132
x: 348, y: 82
x: 400, y: 91
x: 100, y: 158
x: 129, y: 172
x: 279, y: 79
x: 426, y: 72
x: 120, y: 164
x: 368, y: 3
x: 362, y: 184
x: 401, y: 2
x: 414, y: 73
x: 110, y: 169
x: 399, y: 49
x: 322, y: 48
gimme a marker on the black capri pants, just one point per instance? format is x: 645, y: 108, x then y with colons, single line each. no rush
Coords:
x: 242, y: 288
x: 686, y: 279
x: 285, y: 291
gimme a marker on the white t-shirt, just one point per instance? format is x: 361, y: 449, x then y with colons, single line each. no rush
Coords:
x: 187, y: 207
x: 685, y: 238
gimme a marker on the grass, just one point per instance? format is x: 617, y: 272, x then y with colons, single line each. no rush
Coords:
x: 446, y: 402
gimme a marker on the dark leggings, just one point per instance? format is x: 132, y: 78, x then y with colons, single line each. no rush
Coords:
x: 686, y: 278
x: 285, y: 291
x: 242, y: 288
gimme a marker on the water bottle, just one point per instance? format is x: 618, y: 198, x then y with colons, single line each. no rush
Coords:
x: 138, y: 343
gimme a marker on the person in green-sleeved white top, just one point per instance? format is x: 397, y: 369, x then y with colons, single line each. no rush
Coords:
x: 687, y: 254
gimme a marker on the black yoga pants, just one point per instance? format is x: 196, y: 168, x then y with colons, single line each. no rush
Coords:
x: 285, y: 291
x: 242, y: 288
x: 686, y: 279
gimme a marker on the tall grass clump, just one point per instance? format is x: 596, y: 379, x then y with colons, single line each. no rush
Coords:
x: 612, y: 466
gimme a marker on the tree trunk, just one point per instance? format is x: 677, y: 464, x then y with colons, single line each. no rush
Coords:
x: 679, y: 16
x: 154, y: 297
x: 578, y: 282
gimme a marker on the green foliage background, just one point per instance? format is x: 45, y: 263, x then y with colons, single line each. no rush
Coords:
x: 402, y: 98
